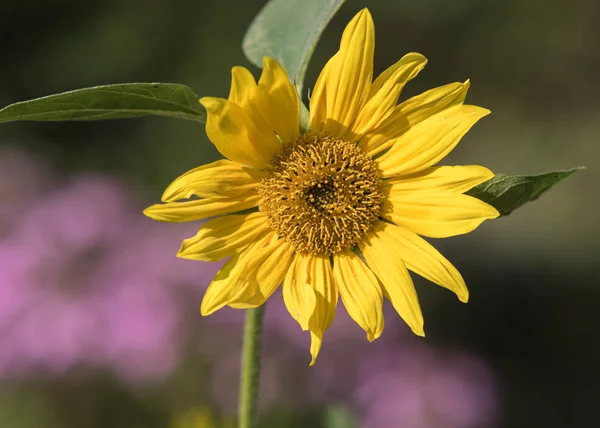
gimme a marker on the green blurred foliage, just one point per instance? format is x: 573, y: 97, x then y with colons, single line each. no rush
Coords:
x: 533, y: 312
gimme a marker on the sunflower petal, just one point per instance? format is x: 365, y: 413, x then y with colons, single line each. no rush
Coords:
x: 245, y: 290
x: 423, y: 259
x: 218, y: 291
x: 298, y: 293
x: 326, y: 302
x: 264, y: 272
x: 222, y: 237
x: 343, y: 86
x: 237, y: 136
x: 430, y: 141
x: 220, y: 178
x: 228, y: 285
x: 437, y: 214
x: 243, y: 86
x: 316, y: 341
x: 279, y: 101
x: 360, y: 292
x: 386, y: 262
x: 385, y: 91
x: 410, y: 113
x: 178, y: 212
x: 454, y: 179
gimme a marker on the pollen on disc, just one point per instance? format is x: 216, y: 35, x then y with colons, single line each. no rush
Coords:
x: 323, y: 194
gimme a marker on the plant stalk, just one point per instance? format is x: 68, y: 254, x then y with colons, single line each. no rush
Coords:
x: 250, y: 373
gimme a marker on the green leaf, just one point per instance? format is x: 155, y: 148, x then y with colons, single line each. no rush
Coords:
x: 304, y: 117
x: 339, y: 417
x: 289, y: 31
x: 110, y: 102
x: 506, y: 193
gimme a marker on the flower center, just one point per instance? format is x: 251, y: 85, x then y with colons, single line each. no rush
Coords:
x: 323, y: 194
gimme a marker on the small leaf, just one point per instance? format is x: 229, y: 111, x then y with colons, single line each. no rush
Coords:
x: 110, y: 102
x: 289, y: 31
x: 506, y: 193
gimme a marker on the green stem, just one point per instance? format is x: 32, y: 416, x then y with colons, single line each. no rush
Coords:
x: 250, y: 374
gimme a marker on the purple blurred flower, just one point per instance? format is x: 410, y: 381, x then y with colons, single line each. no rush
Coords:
x: 416, y: 387
x: 88, y: 281
x: 395, y: 381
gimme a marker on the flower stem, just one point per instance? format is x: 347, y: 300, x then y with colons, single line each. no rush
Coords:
x: 250, y: 373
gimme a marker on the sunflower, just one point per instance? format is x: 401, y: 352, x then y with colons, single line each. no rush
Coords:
x: 338, y: 210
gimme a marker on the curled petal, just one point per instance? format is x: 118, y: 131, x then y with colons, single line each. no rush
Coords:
x: 229, y: 284
x: 360, y: 292
x: 298, y: 293
x: 423, y: 259
x: 326, y: 297
x: 243, y: 86
x: 278, y: 101
x: 386, y: 262
x: 238, y: 136
x: 220, y: 178
x: 222, y: 237
x: 178, y: 212
x: 265, y: 270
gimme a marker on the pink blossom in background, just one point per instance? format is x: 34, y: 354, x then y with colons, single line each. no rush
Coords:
x: 31, y: 175
x: 424, y: 388
x: 397, y: 378
x: 88, y: 281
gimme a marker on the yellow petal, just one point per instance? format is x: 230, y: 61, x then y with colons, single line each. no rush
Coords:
x: 273, y: 104
x: 222, y: 237
x: 298, y: 293
x: 343, y: 86
x: 237, y: 136
x: 227, y: 285
x: 243, y: 86
x: 318, y: 112
x: 411, y: 112
x: 360, y: 292
x: 220, y: 178
x: 428, y: 142
x: 279, y: 101
x: 217, y: 293
x: 437, y: 214
x: 178, y: 212
x: 316, y: 341
x: 263, y: 272
x: 454, y: 179
x: 420, y: 257
x: 385, y: 91
x: 326, y: 302
x: 245, y: 93
x: 386, y: 263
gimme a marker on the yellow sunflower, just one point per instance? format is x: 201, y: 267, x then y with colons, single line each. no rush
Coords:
x: 336, y: 210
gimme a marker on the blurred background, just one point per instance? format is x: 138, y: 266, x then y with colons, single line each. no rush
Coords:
x: 99, y: 321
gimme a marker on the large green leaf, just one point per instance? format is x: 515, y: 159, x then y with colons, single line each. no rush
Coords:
x: 289, y: 31
x: 110, y: 102
x: 506, y: 193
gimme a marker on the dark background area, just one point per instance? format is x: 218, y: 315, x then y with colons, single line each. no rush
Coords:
x: 533, y: 276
